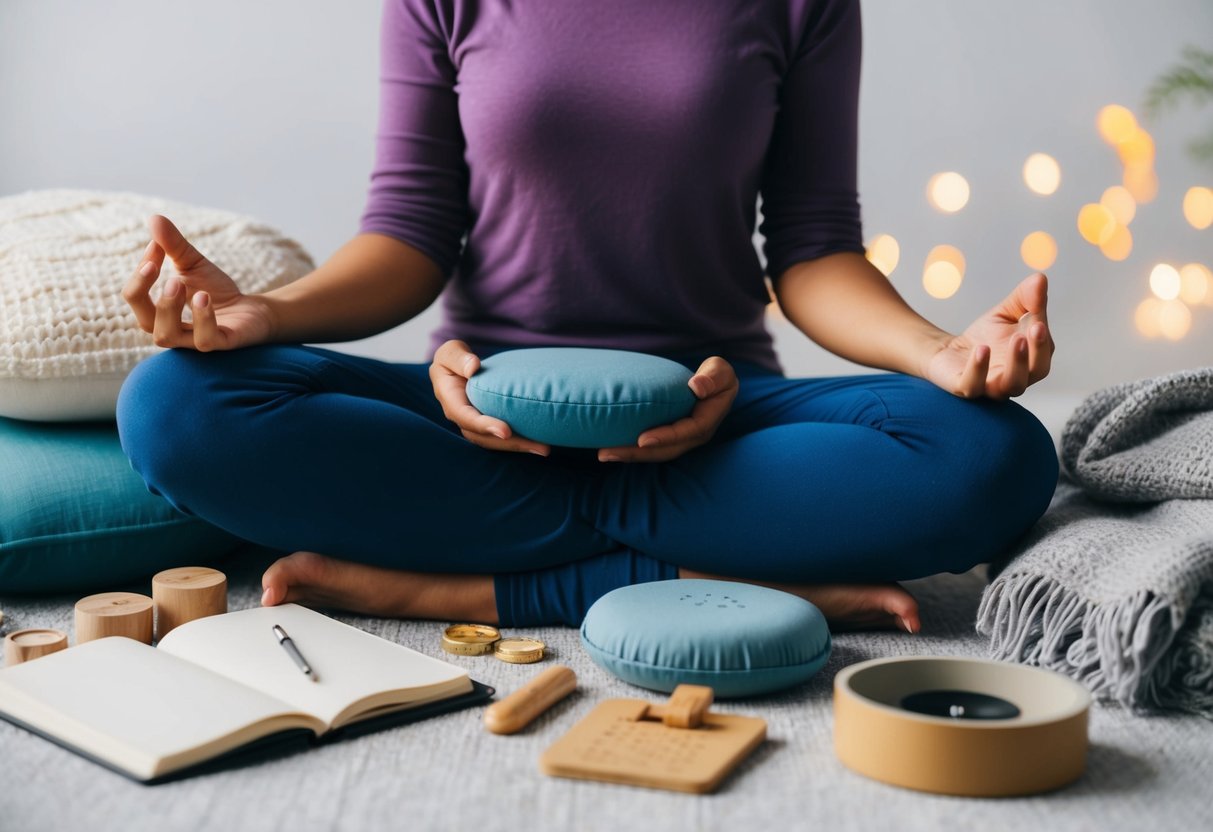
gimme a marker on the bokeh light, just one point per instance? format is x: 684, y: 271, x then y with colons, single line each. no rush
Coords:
x: 1142, y: 182
x: 1198, y: 207
x: 1119, y: 246
x: 1096, y: 223
x: 1165, y: 282
x: 1042, y: 174
x: 948, y: 192
x: 1116, y: 123
x: 1038, y: 250
x: 948, y: 254
x: 1145, y: 317
x: 1137, y: 149
x: 941, y: 279
x: 1196, y: 284
x: 884, y: 253
x: 1174, y: 319
x: 1120, y: 202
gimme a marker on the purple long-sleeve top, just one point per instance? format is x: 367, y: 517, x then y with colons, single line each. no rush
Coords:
x: 604, y: 160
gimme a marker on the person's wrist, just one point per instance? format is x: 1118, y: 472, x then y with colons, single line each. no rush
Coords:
x: 272, y: 307
x: 931, y: 341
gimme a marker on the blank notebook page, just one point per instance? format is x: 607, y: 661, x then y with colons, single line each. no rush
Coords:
x: 117, y: 691
x: 349, y: 663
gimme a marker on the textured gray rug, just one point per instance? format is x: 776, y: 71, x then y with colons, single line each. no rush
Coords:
x: 449, y: 773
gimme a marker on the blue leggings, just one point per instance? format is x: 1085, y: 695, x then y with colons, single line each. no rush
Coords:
x: 861, y: 478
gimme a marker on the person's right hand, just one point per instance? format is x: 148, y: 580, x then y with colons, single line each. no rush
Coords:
x: 223, y: 317
x: 453, y: 365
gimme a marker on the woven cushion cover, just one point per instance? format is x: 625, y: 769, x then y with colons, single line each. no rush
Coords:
x: 67, y: 338
x: 739, y: 639
x: 581, y: 397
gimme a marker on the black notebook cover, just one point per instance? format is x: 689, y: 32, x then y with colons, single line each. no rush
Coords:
x: 289, y: 741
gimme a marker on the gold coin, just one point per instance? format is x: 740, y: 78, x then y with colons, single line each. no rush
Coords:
x: 519, y: 650
x: 470, y: 639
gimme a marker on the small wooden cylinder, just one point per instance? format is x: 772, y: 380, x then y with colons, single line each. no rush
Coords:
x: 114, y: 614
x: 23, y: 645
x: 521, y: 707
x: 186, y: 593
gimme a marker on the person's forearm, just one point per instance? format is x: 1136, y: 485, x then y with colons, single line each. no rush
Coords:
x: 844, y: 303
x: 370, y: 284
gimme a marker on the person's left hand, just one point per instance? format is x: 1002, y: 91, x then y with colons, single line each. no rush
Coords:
x: 715, y: 385
x: 1002, y: 352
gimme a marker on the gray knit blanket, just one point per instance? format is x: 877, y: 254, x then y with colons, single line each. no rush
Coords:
x: 1114, y: 585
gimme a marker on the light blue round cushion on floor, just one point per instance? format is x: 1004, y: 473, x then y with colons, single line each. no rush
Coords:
x: 739, y: 639
x: 581, y: 397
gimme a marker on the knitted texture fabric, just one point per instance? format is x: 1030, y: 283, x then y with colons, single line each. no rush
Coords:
x: 65, y: 255
x: 1114, y: 585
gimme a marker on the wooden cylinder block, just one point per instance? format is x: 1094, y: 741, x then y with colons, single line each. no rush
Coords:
x: 186, y: 593
x: 114, y: 614
x: 23, y: 645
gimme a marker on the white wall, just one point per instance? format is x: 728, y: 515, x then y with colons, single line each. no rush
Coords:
x: 268, y: 107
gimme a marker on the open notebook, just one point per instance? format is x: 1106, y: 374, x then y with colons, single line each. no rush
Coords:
x: 220, y: 690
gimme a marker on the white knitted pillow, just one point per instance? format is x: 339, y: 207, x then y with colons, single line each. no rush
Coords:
x: 67, y: 338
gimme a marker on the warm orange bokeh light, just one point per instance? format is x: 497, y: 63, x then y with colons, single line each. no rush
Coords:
x: 1174, y: 319
x: 948, y: 192
x: 1196, y: 284
x: 1120, y: 202
x: 1119, y: 246
x: 1096, y: 223
x: 1137, y: 149
x: 941, y: 279
x: 884, y: 253
x: 1116, y: 123
x: 1198, y: 207
x: 1145, y: 317
x: 1142, y: 182
x: 1038, y: 250
x: 947, y: 254
x: 1042, y: 174
x: 1164, y: 281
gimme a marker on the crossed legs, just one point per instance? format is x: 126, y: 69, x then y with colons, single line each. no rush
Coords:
x: 831, y: 488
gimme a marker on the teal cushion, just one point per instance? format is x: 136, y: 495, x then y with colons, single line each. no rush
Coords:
x: 74, y: 516
x: 739, y: 639
x: 581, y: 397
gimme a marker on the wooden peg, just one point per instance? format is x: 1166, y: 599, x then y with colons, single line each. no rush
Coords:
x: 521, y: 707
x: 687, y: 707
x: 23, y: 645
x: 114, y: 614
x: 186, y: 593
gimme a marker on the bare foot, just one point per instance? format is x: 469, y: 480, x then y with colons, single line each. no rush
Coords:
x: 849, y: 606
x: 310, y: 577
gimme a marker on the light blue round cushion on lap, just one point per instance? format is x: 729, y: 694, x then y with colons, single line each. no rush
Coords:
x: 581, y: 397
x: 739, y: 639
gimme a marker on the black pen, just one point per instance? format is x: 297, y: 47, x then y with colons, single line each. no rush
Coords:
x: 289, y: 644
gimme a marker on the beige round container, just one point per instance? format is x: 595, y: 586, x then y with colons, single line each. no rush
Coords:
x: 114, y: 614
x: 25, y: 645
x: 185, y: 593
x: 1043, y: 748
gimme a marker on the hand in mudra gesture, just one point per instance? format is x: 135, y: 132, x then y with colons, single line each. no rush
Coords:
x: 224, y: 318
x: 1002, y: 352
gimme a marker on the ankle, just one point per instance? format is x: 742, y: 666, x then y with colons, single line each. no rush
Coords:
x: 451, y: 597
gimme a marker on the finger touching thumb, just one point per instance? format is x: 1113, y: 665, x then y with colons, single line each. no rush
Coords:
x: 169, y: 237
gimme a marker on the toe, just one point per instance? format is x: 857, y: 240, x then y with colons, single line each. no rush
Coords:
x: 287, y: 577
x: 902, y: 607
x: 273, y: 583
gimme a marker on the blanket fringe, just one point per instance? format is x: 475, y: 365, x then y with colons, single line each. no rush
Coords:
x: 1114, y: 649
